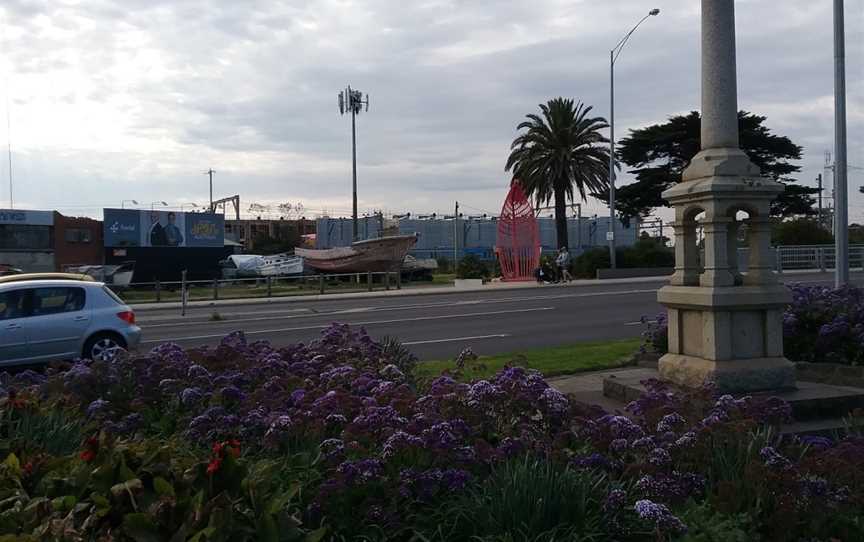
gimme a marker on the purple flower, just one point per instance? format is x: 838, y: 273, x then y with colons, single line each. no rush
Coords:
x: 687, y: 439
x: 660, y: 516
x: 97, y: 407
x: 297, y: 396
x: 660, y: 457
x: 231, y: 394
x: 555, y: 401
x: 614, y: 501
x: 670, y: 422
x: 773, y: 459
x: 191, y: 396
x: 399, y: 441
x: 618, y: 445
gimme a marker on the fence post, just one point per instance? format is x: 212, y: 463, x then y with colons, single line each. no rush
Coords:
x: 215, y: 289
x: 368, y: 280
x: 820, y: 255
x: 779, y: 256
x: 184, y: 295
x: 158, y: 291
x: 387, y: 281
x: 399, y: 279
x: 321, y: 283
x: 269, y: 286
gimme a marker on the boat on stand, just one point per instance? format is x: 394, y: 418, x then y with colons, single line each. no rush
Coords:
x: 376, y: 255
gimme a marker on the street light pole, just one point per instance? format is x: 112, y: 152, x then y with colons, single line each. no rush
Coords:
x: 613, y: 56
x: 841, y: 202
x: 210, y: 172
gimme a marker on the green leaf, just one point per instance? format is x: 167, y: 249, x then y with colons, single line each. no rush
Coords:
x: 141, y: 528
x: 64, y: 504
x: 13, y: 463
x: 163, y: 487
x: 317, y: 535
x: 205, y: 533
x: 99, y: 500
x: 277, y: 504
x: 132, y: 485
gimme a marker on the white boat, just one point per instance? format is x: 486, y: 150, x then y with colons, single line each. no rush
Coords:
x: 254, y: 266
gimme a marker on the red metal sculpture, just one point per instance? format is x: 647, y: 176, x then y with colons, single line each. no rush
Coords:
x: 518, y: 244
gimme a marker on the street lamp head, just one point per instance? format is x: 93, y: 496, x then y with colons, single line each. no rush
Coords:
x: 134, y: 202
x: 654, y: 11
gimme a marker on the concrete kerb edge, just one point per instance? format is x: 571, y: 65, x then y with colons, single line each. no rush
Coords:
x: 408, y: 292
x: 387, y: 293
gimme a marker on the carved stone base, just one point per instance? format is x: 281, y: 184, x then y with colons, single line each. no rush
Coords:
x: 735, y: 376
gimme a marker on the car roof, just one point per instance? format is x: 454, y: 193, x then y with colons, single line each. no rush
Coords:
x: 48, y: 283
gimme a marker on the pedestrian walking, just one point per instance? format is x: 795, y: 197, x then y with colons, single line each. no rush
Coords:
x: 563, y: 264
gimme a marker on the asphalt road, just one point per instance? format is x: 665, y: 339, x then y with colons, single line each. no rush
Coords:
x: 437, y: 326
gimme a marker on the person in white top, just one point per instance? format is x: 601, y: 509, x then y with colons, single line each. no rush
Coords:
x: 563, y: 264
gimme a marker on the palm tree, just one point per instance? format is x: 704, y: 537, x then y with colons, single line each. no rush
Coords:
x: 562, y: 149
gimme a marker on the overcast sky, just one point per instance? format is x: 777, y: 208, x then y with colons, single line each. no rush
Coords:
x: 135, y: 99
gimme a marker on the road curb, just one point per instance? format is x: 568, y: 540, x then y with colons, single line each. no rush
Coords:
x: 420, y: 292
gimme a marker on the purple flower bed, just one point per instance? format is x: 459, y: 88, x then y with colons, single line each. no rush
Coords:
x: 349, y: 445
x: 820, y: 325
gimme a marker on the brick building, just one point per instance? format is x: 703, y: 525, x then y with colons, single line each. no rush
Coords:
x: 77, y: 241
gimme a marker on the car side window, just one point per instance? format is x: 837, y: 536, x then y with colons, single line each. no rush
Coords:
x: 56, y: 300
x: 13, y: 304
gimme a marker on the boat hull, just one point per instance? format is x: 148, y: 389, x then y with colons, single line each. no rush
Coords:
x: 375, y: 255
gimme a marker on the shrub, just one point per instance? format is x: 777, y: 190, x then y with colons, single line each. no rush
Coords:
x: 646, y: 252
x: 800, y: 231
x: 820, y: 325
x: 472, y: 267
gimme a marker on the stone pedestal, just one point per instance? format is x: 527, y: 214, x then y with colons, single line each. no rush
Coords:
x: 725, y: 327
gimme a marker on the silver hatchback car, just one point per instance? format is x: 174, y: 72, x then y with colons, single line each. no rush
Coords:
x: 44, y: 320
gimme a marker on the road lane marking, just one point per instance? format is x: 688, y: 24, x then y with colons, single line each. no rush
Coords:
x: 229, y: 321
x: 457, y: 339
x: 370, y: 323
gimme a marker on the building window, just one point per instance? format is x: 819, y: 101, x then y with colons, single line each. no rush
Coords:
x: 78, y: 235
x: 25, y: 237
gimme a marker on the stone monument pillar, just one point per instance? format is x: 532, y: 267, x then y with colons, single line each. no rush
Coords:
x: 725, y: 327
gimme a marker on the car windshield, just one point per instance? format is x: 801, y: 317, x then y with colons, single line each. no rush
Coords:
x: 112, y: 295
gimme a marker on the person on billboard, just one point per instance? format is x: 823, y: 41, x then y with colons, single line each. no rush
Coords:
x: 173, y: 236
x: 157, y: 232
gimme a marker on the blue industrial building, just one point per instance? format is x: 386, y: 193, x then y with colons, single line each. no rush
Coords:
x: 474, y: 236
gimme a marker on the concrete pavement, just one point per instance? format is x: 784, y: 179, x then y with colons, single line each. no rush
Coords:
x: 491, y: 321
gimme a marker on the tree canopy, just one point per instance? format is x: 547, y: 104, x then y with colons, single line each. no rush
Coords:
x: 560, y: 149
x: 658, y: 155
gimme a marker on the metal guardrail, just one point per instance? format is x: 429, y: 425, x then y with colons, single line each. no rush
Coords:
x: 242, y: 288
x: 804, y: 257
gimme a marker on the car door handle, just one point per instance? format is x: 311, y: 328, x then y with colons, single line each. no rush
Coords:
x: 13, y: 326
x: 81, y: 318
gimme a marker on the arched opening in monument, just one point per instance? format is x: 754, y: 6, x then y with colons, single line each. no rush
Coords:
x: 737, y: 236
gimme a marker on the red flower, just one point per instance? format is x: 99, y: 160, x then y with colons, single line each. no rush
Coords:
x: 27, y: 468
x: 91, y: 448
x: 214, y: 465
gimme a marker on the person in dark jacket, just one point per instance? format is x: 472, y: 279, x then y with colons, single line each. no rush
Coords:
x: 157, y: 232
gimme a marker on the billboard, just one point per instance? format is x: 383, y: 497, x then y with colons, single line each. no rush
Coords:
x: 137, y: 228
x: 26, y: 218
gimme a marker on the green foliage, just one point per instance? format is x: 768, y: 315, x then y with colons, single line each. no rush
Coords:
x: 561, y: 149
x: 646, y: 252
x: 801, y: 231
x: 658, y: 155
x: 472, y: 267
x: 705, y: 524
x: 527, y: 500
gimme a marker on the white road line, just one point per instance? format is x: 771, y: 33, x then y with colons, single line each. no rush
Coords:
x: 371, y: 323
x: 229, y: 320
x: 457, y: 339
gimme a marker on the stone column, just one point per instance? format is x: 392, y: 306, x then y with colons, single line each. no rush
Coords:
x: 686, y: 257
x: 717, y: 271
x: 760, y: 269
x: 719, y: 80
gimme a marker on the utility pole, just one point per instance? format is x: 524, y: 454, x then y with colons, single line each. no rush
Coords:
x: 819, y: 182
x: 352, y: 101
x: 841, y: 202
x: 456, y: 237
x: 210, y: 172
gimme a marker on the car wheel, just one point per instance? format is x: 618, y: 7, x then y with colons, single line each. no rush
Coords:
x: 104, y: 347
